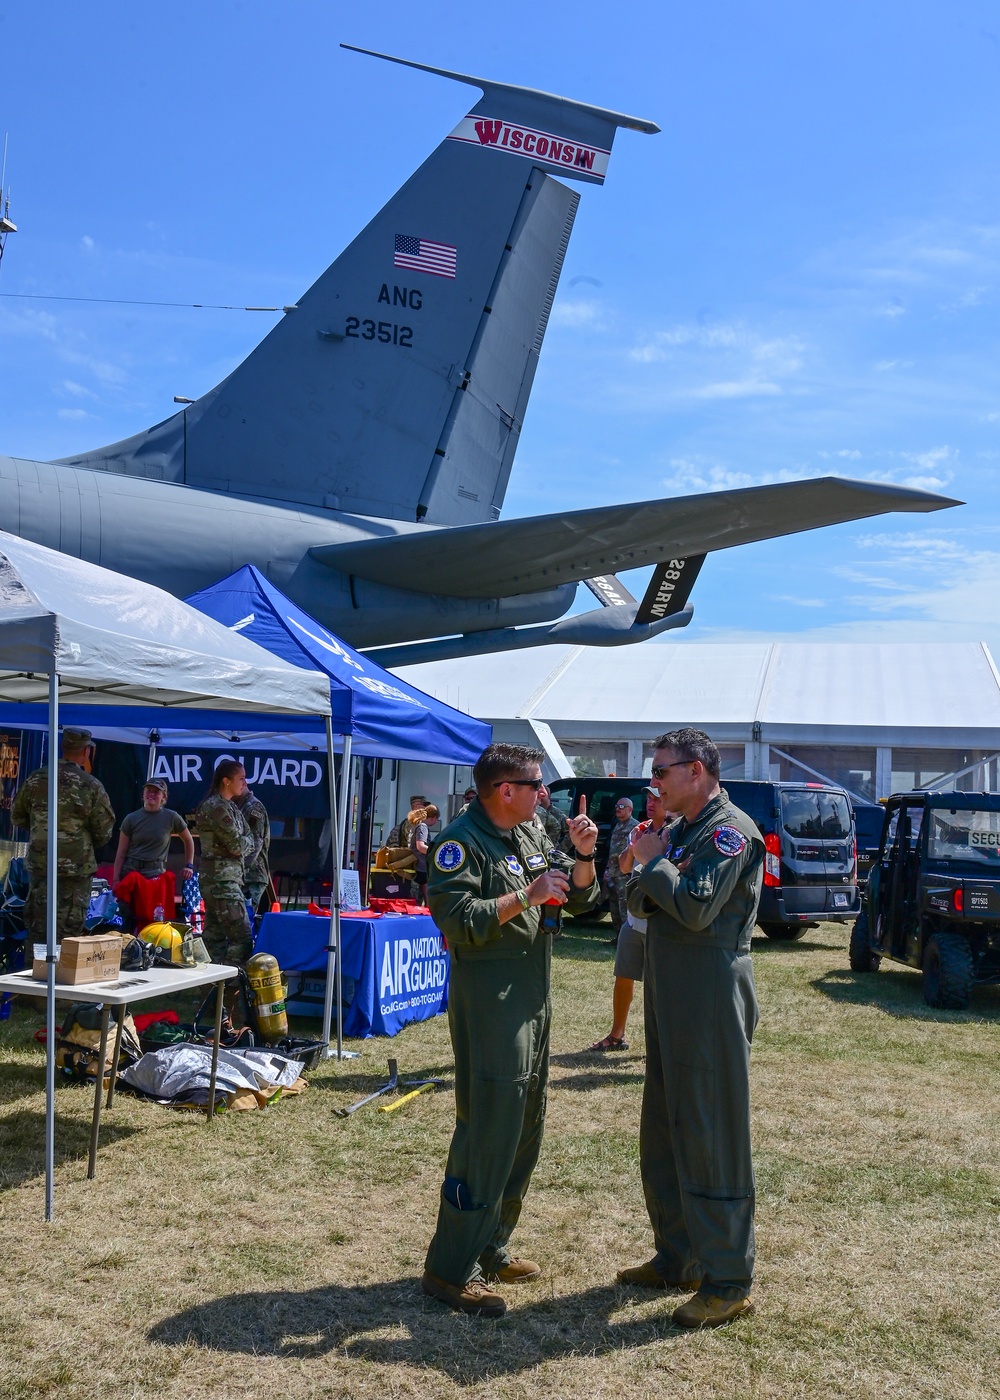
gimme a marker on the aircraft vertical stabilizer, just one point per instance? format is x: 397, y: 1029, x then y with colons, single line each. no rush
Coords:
x: 398, y: 384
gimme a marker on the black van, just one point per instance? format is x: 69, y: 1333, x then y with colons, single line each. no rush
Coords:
x: 810, y: 871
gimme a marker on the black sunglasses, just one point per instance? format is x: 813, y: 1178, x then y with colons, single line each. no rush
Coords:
x: 535, y: 783
x: 660, y: 772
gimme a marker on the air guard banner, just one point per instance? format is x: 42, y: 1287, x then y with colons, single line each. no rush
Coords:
x: 398, y: 963
x: 289, y: 785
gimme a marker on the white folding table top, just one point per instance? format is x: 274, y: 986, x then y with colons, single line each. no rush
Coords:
x: 130, y: 987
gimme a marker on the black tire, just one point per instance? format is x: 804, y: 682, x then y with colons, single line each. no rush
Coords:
x: 860, y: 953
x: 948, y: 973
x: 784, y: 933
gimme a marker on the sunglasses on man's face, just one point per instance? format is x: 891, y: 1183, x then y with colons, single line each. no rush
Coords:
x: 662, y: 771
x: 535, y: 783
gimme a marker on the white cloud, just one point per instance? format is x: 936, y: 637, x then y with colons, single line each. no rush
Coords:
x: 576, y: 315
x: 77, y: 391
x: 73, y: 414
x: 87, y: 243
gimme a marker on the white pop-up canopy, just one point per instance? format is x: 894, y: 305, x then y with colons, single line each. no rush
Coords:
x: 73, y: 629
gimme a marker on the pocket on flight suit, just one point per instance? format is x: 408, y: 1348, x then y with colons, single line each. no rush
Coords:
x: 502, y: 1050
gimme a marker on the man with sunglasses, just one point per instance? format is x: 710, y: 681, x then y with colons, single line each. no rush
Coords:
x: 698, y: 885
x: 489, y: 879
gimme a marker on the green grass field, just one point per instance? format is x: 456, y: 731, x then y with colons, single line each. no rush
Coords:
x: 278, y: 1253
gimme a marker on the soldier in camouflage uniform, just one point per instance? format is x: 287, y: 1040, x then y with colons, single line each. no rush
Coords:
x: 554, y: 822
x: 256, y: 870
x: 86, y: 821
x: 614, y: 881
x: 226, y: 841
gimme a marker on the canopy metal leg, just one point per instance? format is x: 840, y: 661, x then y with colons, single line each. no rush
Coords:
x: 51, y: 891
x: 333, y: 959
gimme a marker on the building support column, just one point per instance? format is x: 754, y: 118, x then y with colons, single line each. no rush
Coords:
x: 634, y: 758
x: 883, y: 773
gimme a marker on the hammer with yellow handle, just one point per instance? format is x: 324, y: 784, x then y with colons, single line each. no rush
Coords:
x: 420, y: 1087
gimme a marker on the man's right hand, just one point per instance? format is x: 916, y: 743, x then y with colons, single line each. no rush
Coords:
x: 553, y: 884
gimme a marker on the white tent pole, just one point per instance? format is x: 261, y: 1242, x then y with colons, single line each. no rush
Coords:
x: 333, y: 962
x: 346, y: 786
x: 51, y: 890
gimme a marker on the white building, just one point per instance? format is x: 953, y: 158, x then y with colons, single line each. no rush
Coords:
x: 874, y: 717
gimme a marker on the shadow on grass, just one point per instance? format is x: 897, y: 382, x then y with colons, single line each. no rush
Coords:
x: 318, y: 1321
x: 20, y: 1081
x: 587, y: 1082
x: 22, y: 1141
x: 899, y: 993
x: 763, y: 944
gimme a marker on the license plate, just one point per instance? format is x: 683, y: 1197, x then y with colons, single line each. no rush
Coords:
x: 840, y: 901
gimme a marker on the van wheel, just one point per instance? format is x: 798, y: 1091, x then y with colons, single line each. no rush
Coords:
x: 859, y: 951
x: 784, y: 933
x: 947, y: 971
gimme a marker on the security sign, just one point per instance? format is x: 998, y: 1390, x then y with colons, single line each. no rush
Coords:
x: 450, y: 855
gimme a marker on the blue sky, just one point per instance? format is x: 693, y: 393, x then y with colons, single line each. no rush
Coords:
x: 799, y: 276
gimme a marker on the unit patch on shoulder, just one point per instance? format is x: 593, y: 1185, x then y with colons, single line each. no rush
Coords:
x: 513, y: 865
x: 729, y: 841
x: 535, y: 862
x: 450, y: 855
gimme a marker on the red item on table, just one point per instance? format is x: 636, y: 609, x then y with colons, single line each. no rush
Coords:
x: 144, y: 896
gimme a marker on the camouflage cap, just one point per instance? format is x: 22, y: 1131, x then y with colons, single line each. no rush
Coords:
x: 160, y: 783
x: 76, y: 739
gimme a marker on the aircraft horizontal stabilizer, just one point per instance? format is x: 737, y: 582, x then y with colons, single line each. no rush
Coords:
x: 523, y: 556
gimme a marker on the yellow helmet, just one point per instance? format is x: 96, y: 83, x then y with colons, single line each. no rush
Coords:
x: 165, y: 937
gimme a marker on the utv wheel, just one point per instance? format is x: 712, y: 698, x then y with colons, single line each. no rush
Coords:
x: 860, y: 953
x: 784, y: 933
x: 947, y: 971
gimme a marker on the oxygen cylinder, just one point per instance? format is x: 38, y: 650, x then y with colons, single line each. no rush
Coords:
x: 264, y: 976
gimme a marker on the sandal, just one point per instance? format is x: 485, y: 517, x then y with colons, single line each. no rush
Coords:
x: 610, y: 1042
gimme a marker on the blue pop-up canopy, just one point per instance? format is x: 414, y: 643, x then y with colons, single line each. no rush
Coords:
x: 384, y: 716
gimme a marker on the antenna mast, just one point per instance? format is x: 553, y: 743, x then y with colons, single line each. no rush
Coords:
x: 6, y: 226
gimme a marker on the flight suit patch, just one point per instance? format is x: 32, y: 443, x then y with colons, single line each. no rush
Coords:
x: 450, y: 855
x: 729, y: 841
x: 513, y: 865
x: 535, y: 862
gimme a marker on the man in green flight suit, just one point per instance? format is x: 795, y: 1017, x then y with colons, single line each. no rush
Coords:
x: 488, y: 876
x: 698, y: 886
x: 85, y: 822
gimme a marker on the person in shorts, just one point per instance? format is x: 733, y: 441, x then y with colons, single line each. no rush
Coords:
x: 631, y: 950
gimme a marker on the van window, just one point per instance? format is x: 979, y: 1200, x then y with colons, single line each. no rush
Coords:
x: 601, y: 806
x: 814, y: 813
x: 562, y: 800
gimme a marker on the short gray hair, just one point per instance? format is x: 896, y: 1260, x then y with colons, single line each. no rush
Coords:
x: 693, y: 746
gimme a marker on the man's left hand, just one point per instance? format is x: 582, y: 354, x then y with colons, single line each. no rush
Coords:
x: 650, y: 845
x: 582, y: 831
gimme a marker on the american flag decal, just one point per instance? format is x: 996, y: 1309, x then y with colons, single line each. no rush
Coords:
x: 422, y: 255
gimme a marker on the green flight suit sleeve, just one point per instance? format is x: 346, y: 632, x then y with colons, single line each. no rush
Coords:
x: 694, y: 896
x: 456, y: 903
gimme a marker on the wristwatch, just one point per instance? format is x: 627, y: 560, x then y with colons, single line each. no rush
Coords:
x: 578, y: 855
x: 522, y: 899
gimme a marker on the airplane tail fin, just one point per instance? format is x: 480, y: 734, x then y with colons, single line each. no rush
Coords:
x: 397, y: 386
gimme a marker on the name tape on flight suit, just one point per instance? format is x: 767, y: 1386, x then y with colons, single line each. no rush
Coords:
x: 450, y: 855
x: 535, y: 862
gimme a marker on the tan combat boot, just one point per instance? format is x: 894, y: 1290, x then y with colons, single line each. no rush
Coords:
x: 472, y: 1297
x: 708, y: 1310
x: 516, y: 1271
x: 648, y: 1276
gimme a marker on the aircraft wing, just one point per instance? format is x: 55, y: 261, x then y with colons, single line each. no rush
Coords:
x: 524, y: 556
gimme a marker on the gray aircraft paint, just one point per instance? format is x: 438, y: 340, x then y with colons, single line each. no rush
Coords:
x: 362, y: 469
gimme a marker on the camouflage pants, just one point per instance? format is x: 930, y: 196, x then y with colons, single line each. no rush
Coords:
x: 617, y: 902
x: 227, y: 928
x: 72, y: 902
x: 255, y: 892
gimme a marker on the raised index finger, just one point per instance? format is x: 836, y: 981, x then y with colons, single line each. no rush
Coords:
x: 583, y: 805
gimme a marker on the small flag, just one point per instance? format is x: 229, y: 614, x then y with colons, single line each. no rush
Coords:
x: 421, y: 255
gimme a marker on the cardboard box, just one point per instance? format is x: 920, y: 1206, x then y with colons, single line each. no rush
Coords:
x: 94, y: 957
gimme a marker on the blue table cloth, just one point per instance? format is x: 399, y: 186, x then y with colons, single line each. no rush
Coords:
x: 398, y: 963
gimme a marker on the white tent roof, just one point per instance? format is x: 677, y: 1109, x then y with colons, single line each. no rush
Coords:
x: 928, y: 693
x: 118, y: 642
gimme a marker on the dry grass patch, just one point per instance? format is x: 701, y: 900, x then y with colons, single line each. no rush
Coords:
x: 277, y: 1254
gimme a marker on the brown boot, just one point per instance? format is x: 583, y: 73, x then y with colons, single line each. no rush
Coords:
x: 648, y: 1276
x: 516, y: 1271
x: 708, y: 1310
x: 472, y: 1297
